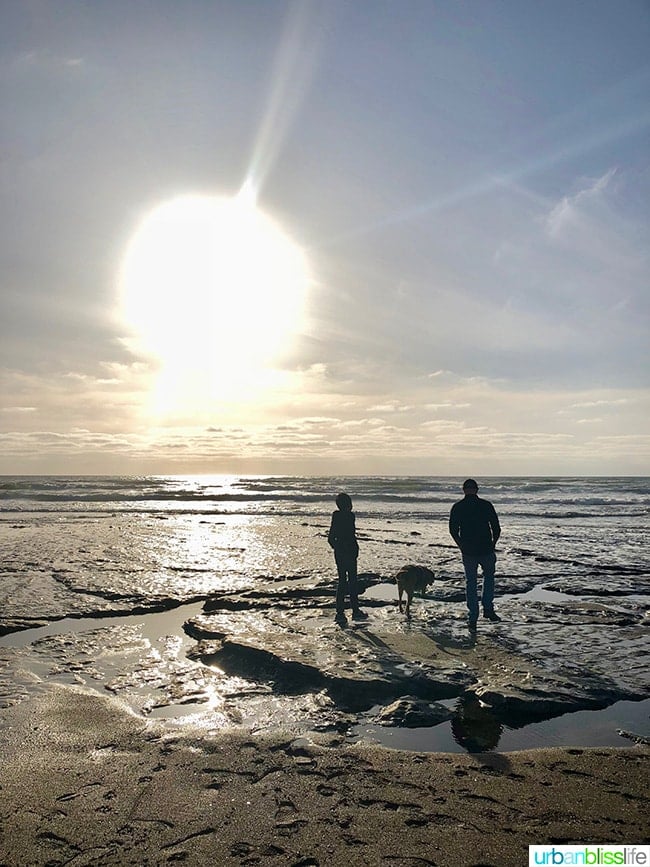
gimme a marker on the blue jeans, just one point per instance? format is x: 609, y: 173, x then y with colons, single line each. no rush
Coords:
x: 487, y: 562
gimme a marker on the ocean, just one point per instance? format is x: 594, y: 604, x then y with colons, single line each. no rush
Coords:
x: 78, y: 550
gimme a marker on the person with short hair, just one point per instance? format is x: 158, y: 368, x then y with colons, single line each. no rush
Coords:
x: 342, y: 537
x: 475, y: 528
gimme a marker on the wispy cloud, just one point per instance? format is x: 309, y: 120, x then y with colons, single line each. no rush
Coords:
x: 571, y: 209
x: 588, y: 404
x: 17, y: 409
x: 47, y: 60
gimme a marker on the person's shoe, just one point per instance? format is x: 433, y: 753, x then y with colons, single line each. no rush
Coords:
x: 359, y: 615
x: 471, y: 624
x: 340, y: 618
x: 491, y: 615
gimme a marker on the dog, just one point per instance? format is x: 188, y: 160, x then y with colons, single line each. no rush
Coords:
x: 409, y: 580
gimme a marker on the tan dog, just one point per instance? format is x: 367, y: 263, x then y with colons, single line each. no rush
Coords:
x: 411, y: 579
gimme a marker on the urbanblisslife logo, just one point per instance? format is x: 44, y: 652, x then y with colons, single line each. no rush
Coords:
x: 590, y: 854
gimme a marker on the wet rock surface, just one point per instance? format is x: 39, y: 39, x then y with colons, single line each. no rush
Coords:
x: 544, y: 659
x: 95, y: 595
x: 302, y: 650
x: 269, y: 654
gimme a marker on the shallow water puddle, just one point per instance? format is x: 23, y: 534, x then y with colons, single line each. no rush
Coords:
x: 596, y: 728
x: 154, y: 625
x: 140, y: 658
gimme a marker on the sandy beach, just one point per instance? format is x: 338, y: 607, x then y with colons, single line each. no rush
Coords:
x: 173, y: 686
x: 84, y: 781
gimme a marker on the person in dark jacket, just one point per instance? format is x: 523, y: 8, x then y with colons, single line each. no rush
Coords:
x: 342, y: 537
x: 474, y: 526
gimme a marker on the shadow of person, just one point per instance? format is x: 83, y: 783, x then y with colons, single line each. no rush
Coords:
x: 474, y: 727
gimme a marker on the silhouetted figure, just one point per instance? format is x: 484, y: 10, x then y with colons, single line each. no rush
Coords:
x: 474, y: 727
x: 474, y: 526
x: 343, y: 539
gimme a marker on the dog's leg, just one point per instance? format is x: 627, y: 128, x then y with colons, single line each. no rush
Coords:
x: 409, y: 596
x: 400, y: 591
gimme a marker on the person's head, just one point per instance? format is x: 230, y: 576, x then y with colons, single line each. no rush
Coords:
x: 470, y: 488
x: 344, y: 502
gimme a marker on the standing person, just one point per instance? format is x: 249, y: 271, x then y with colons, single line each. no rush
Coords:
x: 342, y: 537
x: 474, y: 526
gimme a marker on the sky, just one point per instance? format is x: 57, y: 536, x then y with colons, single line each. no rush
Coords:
x: 325, y: 237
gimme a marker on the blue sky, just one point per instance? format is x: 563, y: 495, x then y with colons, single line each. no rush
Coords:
x: 468, y: 181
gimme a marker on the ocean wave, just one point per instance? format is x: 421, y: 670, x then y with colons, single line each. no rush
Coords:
x: 415, y: 497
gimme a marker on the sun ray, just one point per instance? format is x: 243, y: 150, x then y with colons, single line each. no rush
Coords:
x: 293, y: 72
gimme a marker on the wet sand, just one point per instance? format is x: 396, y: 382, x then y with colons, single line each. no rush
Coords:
x: 85, y: 781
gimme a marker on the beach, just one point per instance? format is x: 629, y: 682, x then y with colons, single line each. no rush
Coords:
x: 173, y: 685
x: 283, y: 281
x: 87, y: 782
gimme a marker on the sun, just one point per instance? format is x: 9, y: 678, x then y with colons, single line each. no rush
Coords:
x: 214, y: 289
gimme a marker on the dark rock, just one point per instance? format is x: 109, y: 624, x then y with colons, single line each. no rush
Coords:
x: 19, y: 624
x: 410, y: 711
x: 539, y: 698
x: 637, y: 739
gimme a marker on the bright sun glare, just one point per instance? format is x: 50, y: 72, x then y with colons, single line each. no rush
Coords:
x: 214, y: 289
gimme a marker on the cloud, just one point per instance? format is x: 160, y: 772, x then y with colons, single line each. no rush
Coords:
x: 570, y: 210
x: 18, y: 409
x: 446, y: 405
x: 575, y: 268
x: 592, y: 224
x: 71, y: 399
x: 588, y: 404
x: 47, y: 60
x: 390, y: 407
x: 432, y: 446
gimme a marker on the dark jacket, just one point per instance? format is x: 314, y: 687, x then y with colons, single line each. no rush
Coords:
x: 474, y: 525
x: 342, y: 535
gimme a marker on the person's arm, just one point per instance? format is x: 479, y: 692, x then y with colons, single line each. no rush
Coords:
x: 331, y: 536
x: 354, y: 536
x: 495, y: 527
x: 454, y: 527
